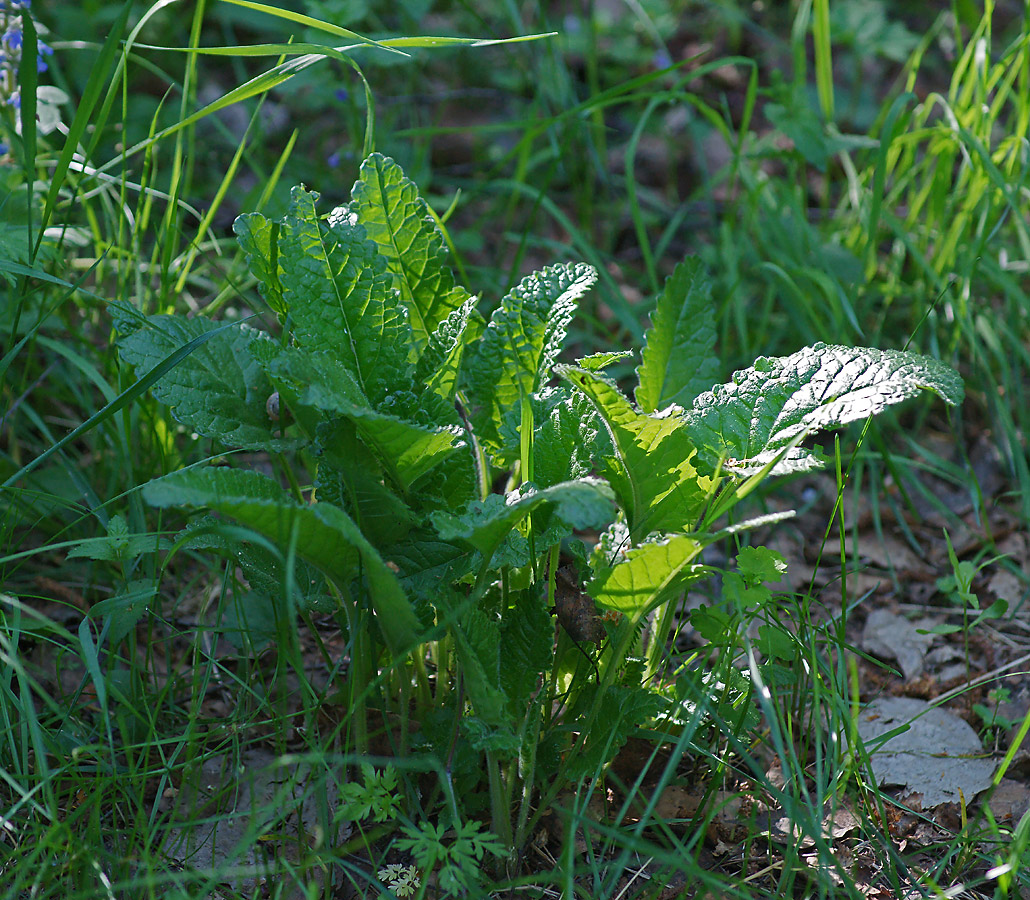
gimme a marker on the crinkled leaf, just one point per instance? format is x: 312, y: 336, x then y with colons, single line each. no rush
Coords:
x: 679, y: 361
x: 219, y: 390
x: 450, y: 485
x: 349, y: 476
x: 584, y: 503
x: 407, y: 450
x: 566, y: 443
x: 623, y: 710
x: 778, y: 401
x: 298, y: 368
x: 527, y: 636
x: 266, y: 573
x: 635, y: 581
x: 514, y: 357
x: 340, y: 296
x: 424, y: 408
x: 477, y: 640
x: 440, y: 364
x: 425, y: 562
x: 388, y: 205
x: 259, y: 238
x: 512, y: 552
x: 541, y: 405
x: 652, y: 470
x: 595, y: 362
x: 322, y: 534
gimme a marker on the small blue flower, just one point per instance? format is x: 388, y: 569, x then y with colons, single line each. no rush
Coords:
x: 3, y: 149
x: 342, y: 94
x: 661, y: 59
x: 13, y: 39
x: 333, y: 160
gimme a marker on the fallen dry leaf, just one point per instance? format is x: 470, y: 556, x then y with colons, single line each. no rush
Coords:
x: 1010, y: 801
x: 938, y: 755
x: 891, y: 636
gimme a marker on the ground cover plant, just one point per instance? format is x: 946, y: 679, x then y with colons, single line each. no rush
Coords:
x: 391, y: 589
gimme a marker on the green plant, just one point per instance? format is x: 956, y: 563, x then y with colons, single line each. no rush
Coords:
x: 990, y: 716
x: 403, y: 881
x: 456, y: 860
x: 375, y: 797
x: 395, y: 409
x: 958, y: 588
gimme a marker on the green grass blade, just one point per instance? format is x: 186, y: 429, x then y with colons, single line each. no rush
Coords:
x: 120, y: 402
x: 84, y: 115
x: 27, y: 82
x: 823, y: 57
x: 309, y: 22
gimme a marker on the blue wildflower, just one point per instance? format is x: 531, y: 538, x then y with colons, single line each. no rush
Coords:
x: 12, y: 43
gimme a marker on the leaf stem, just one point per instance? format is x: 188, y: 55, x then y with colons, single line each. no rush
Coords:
x: 499, y: 808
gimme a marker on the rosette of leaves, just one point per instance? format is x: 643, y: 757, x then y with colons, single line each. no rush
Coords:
x: 387, y: 378
x: 407, y: 407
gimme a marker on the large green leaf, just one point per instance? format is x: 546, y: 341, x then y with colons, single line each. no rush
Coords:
x: 514, y: 357
x: 584, y: 503
x: 219, y: 390
x: 426, y: 562
x: 679, y: 360
x: 388, y: 205
x: 407, y: 450
x: 527, y: 636
x: 439, y: 366
x: 349, y: 476
x: 323, y: 535
x: 768, y: 408
x: 477, y: 638
x: 635, y: 581
x: 652, y: 469
x: 259, y: 239
x: 568, y: 440
x: 624, y: 709
x: 341, y: 298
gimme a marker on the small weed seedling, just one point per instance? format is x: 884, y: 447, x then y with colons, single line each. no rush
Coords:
x: 433, y: 470
x: 958, y: 588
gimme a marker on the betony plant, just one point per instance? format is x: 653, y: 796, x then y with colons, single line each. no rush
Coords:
x: 450, y: 488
